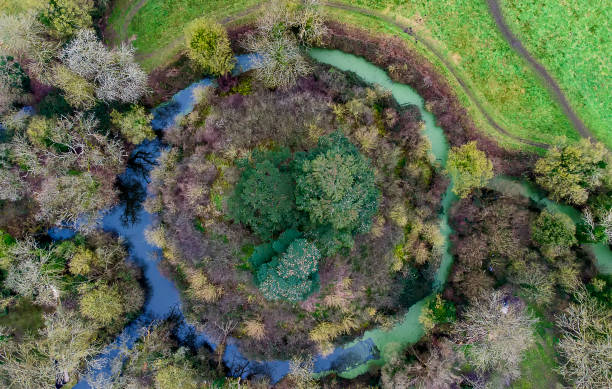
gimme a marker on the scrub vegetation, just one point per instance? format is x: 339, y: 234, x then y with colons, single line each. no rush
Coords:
x: 62, y: 301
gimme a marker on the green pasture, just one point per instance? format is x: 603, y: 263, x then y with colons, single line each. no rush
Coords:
x: 573, y: 40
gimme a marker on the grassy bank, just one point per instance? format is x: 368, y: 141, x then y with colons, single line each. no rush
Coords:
x: 570, y: 39
x: 379, y: 27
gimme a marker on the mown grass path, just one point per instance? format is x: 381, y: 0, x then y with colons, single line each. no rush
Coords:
x: 130, y: 16
x: 548, y: 80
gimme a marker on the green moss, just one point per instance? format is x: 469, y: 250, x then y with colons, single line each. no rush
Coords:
x: 24, y: 317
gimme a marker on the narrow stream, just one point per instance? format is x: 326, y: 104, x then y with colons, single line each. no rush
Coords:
x: 348, y: 361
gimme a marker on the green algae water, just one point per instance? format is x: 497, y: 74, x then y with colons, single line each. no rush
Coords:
x: 409, y: 330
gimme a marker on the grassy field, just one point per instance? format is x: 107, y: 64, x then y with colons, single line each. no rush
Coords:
x: 570, y: 38
x: 378, y: 26
x: 462, y: 30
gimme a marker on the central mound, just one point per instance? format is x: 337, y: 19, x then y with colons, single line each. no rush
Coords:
x: 295, y: 217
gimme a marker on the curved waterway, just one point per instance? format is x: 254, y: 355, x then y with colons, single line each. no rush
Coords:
x: 129, y: 220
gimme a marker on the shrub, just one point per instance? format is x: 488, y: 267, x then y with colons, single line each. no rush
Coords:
x: 66, y: 17
x: 209, y: 46
x: 289, y: 277
x: 12, y: 75
x: 571, y: 171
x: 469, y: 168
x: 38, y: 130
x: 102, y: 304
x: 134, y: 125
x: 81, y: 262
x: 175, y: 377
x: 200, y: 288
x: 14, y: 83
x: 54, y: 104
x: 554, y: 233
x: 324, y: 332
x: 255, y: 329
x: 78, y: 92
x: 437, y: 311
x: 263, y: 198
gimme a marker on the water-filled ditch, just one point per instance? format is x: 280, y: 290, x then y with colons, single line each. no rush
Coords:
x: 349, y: 360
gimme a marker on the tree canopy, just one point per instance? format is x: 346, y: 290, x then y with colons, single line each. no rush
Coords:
x: 335, y: 185
x: 469, y: 168
x: 554, y: 233
x: 289, y: 276
x: 263, y: 198
x: 66, y: 17
x: 570, y: 172
x: 209, y: 46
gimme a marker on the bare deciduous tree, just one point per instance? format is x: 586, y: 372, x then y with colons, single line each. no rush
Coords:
x: 586, y: 342
x: 280, y: 62
x: 498, y: 332
x: 301, y: 373
x: 280, y: 32
x: 64, y: 347
x: 23, y: 36
x: 27, y: 276
x: 438, y: 368
x: 12, y: 187
x: 74, y: 199
x: 115, y: 73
